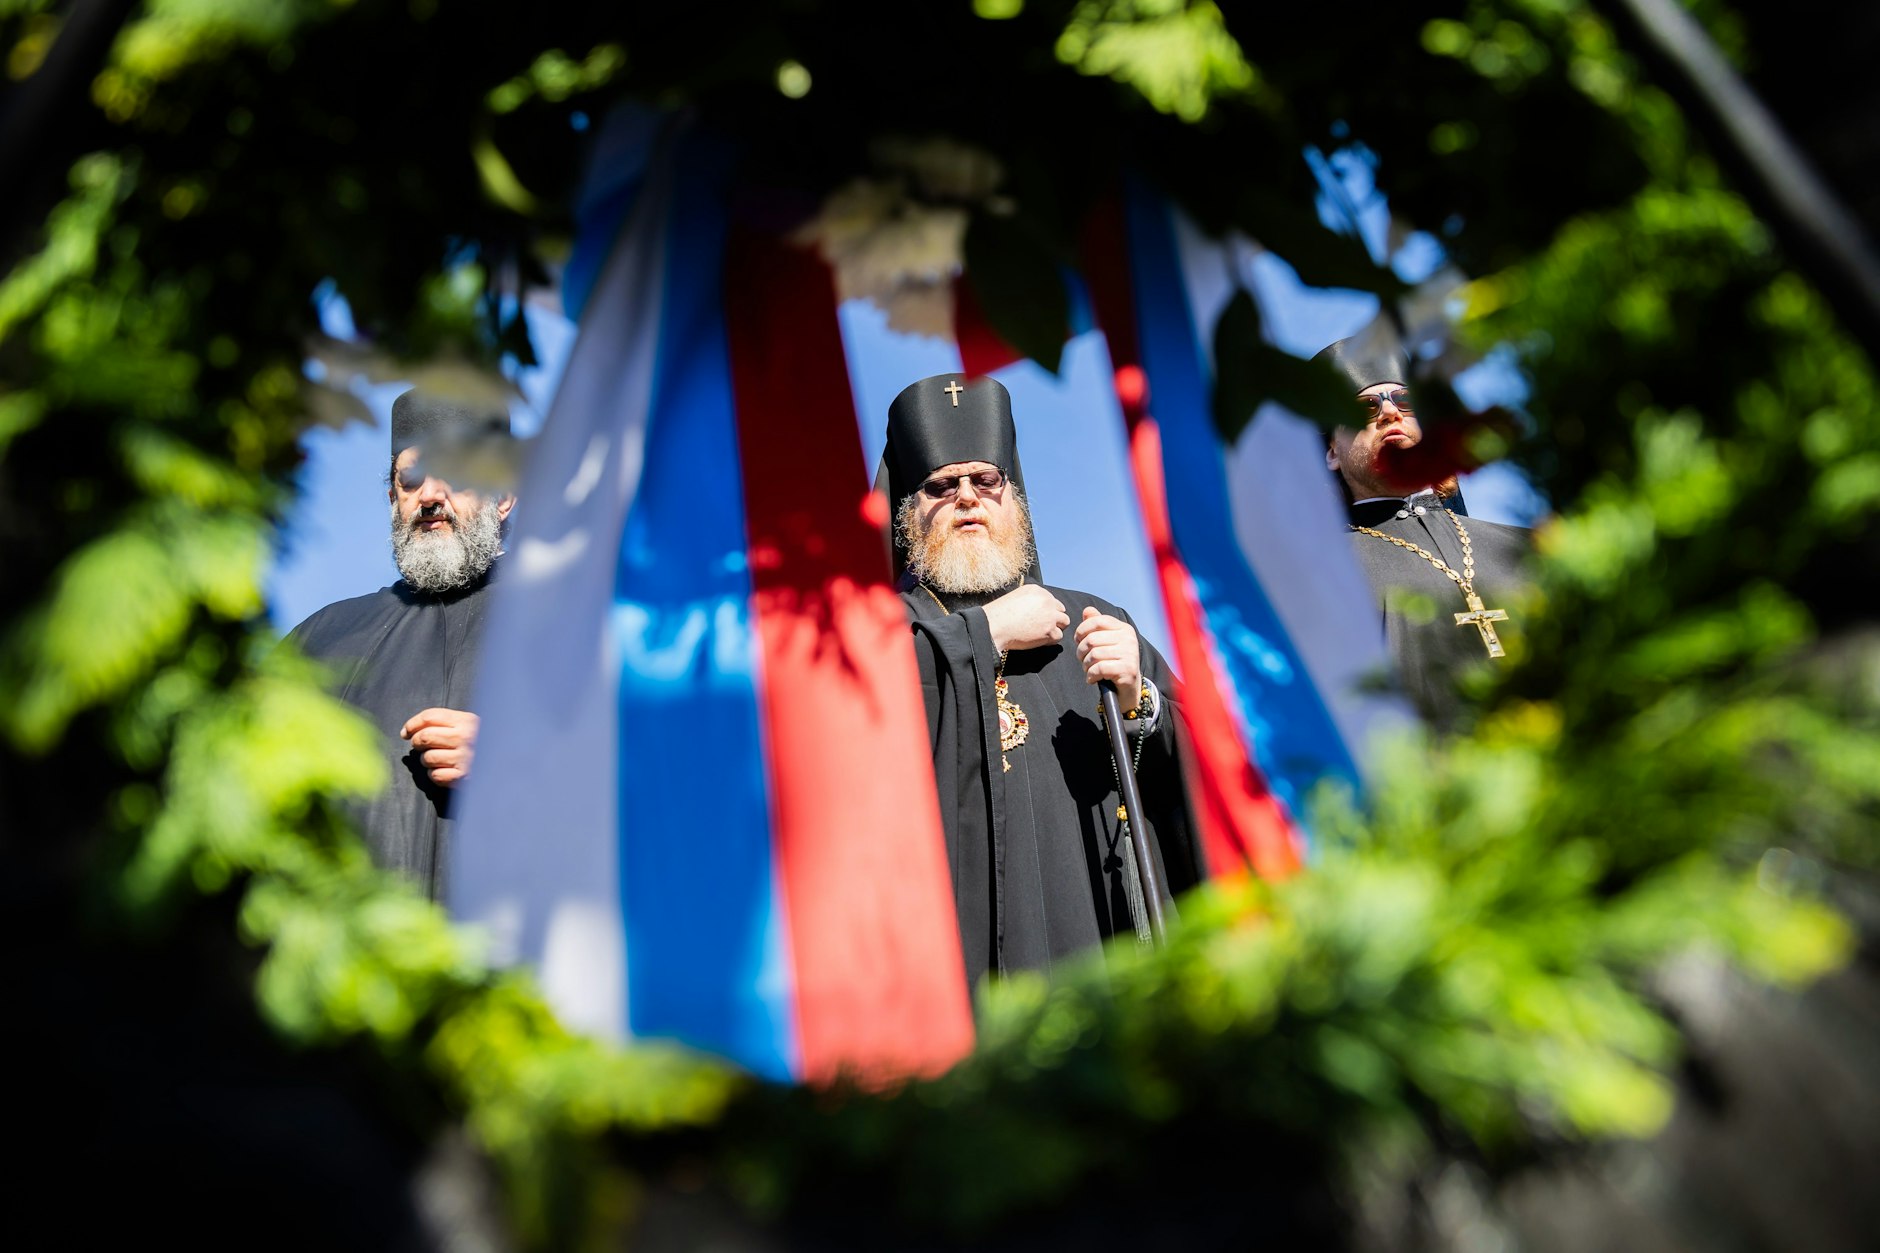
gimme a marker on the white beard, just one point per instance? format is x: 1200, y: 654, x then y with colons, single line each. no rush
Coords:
x: 965, y: 564
x: 445, y: 560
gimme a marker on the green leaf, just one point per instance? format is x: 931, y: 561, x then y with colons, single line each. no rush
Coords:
x: 1179, y: 56
x: 73, y: 234
x: 499, y: 179
x: 514, y: 339
x: 165, y: 466
x: 1248, y: 372
x: 20, y: 412
x: 1291, y: 229
x: 1020, y: 285
x: 118, y: 605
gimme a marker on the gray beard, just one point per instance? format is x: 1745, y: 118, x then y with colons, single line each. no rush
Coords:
x: 444, y: 561
x: 960, y: 566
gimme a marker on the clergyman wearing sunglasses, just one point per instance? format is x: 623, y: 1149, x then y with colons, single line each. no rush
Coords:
x: 1041, y: 859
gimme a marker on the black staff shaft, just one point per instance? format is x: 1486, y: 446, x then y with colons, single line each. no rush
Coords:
x: 1132, y: 802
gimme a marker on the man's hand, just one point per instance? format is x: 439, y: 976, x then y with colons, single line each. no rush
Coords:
x: 1109, y: 649
x: 1026, y: 617
x: 446, y: 740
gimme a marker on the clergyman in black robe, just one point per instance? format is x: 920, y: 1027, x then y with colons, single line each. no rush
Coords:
x: 1042, y: 865
x: 405, y: 655
x: 1419, y: 603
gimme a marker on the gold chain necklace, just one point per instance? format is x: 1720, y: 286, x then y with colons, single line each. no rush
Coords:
x: 1478, y: 616
x: 1014, y: 726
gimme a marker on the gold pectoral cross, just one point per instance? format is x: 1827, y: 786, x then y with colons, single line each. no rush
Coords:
x: 953, y: 390
x: 1480, y: 618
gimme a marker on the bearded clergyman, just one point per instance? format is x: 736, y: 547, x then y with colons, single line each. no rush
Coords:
x: 406, y: 654
x: 1445, y: 582
x: 1029, y: 791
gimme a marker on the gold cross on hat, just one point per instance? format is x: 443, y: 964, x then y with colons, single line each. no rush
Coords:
x: 954, y: 389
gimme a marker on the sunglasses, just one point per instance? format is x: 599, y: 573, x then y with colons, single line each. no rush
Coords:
x: 1399, y: 399
x: 947, y: 488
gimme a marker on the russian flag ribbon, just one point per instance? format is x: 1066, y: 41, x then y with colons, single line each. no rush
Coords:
x: 729, y: 836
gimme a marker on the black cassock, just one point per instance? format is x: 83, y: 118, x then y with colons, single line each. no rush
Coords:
x: 396, y: 652
x: 1419, y: 603
x: 1037, y: 852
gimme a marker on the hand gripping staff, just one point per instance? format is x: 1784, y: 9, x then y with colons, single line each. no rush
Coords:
x: 1132, y: 806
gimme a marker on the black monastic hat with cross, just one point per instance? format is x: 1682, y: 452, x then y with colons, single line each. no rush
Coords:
x: 944, y: 420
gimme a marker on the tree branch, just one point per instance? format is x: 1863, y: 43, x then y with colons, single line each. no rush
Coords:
x: 1822, y: 237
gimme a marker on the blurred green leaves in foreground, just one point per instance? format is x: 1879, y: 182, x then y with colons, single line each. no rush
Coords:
x: 1683, y: 758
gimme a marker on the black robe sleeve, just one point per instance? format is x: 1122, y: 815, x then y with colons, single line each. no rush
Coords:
x: 962, y: 720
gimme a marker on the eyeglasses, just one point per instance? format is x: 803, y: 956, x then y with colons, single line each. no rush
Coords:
x: 1399, y: 399
x: 947, y: 488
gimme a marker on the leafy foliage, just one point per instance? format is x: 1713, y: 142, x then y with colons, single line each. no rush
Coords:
x: 1178, y: 55
x: 1021, y: 287
x: 1689, y: 735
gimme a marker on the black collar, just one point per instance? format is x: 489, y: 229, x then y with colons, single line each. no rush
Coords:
x: 1372, y: 513
x: 412, y: 596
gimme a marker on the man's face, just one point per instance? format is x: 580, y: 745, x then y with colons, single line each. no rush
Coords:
x: 429, y: 506
x: 442, y: 539
x: 1364, y: 454
x: 967, y: 529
